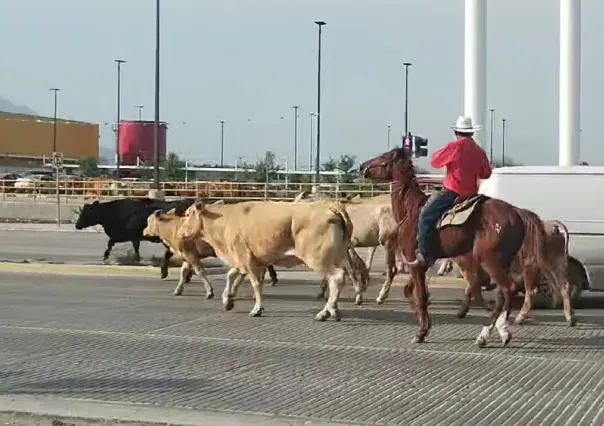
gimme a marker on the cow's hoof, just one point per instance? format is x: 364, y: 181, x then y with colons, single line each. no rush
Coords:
x: 164, y: 274
x: 228, y: 304
x: 358, y: 300
x: 519, y: 320
x: 419, y: 338
x: 210, y: 295
x: 572, y: 321
x: 481, y: 342
x: 255, y: 313
x: 336, y: 315
x: 177, y: 292
x: 274, y: 282
x: 379, y: 301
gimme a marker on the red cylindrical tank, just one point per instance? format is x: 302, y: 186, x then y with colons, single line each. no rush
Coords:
x: 136, y: 142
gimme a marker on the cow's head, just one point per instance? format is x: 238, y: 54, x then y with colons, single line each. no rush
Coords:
x: 89, y: 215
x: 154, y: 223
x: 193, y: 223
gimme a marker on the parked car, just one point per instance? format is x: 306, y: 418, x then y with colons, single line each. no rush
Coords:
x: 7, y: 181
x: 39, y: 183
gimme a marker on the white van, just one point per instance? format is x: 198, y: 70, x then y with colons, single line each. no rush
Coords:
x: 572, y: 195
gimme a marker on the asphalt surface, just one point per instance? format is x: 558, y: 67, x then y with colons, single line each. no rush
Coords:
x: 94, y: 344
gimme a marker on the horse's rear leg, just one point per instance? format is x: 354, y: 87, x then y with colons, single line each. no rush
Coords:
x: 530, y: 275
x: 501, y: 313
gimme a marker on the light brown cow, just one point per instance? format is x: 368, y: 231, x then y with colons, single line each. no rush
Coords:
x: 249, y: 236
x: 166, y: 227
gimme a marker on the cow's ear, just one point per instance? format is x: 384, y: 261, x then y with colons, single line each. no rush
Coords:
x: 172, y: 211
x: 95, y: 202
x: 218, y: 202
x: 157, y: 213
x: 199, y: 206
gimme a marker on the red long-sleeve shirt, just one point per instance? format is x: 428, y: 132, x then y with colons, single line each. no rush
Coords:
x: 465, y: 164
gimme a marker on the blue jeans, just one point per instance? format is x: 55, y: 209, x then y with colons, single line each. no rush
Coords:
x: 429, y: 216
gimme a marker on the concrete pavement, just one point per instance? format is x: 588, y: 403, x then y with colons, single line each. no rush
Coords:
x: 72, y: 346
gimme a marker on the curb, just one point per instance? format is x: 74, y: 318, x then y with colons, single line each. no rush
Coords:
x: 104, y: 270
x: 153, y: 272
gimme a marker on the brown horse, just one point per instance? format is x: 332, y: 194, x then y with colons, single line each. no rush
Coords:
x: 492, y: 233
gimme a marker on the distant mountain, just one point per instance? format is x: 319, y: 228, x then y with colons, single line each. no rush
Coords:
x: 106, y: 154
x: 8, y: 106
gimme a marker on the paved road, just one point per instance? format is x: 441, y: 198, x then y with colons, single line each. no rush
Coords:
x: 130, y: 341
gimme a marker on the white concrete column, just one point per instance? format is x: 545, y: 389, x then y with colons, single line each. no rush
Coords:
x: 475, y: 66
x: 570, y: 82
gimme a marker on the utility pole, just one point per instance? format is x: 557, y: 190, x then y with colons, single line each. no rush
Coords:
x: 312, y: 120
x: 140, y: 112
x: 295, y: 107
x: 389, y: 126
x: 156, y: 124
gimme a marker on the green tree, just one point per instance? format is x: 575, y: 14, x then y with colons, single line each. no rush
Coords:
x: 174, y: 168
x: 265, y: 166
x: 89, y: 166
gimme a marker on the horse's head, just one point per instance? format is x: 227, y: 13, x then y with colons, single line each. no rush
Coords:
x: 385, y: 166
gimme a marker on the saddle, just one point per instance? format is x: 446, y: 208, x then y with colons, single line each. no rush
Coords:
x: 461, y: 211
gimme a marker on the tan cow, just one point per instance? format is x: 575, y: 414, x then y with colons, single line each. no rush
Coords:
x: 373, y: 226
x: 249, y: 236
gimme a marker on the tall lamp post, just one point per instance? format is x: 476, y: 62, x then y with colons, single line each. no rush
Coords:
x: 156, y: 124
x: 503, y: 120
x: 119, y: 63
x: 389, y: 128
x: 492, y: 113
x: 407, y: 65
x: 318, y: 157
x: 295, y: 107
x: 140, y: 111
x: 312, y: 120
x: 54, y: 120
x: 221, y: 143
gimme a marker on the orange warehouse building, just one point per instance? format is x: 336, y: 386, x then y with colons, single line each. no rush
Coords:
x: 29, y: 136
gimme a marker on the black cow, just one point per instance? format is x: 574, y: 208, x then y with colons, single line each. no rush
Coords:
x: 125, y: 219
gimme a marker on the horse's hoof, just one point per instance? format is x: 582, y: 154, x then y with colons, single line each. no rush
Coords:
x: 322, y: 316
x: 257, y: 314
x: 481, y: 342
x: 229, y: 304
x: 572, y: 321
x: 419, y: 338
x: 506, y: 338
x: 358, y: 301
x: 379, y: 301
x: 519, y: 320
x: 210, y: 296
x: 462, y: 313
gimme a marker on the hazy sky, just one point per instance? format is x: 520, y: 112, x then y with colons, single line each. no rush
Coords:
x: 248, y: 61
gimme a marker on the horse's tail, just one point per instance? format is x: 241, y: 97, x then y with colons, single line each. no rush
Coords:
x: 535, y: 247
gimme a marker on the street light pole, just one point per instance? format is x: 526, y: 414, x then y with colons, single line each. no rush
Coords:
x: 54, y: 121
x: 492, y: 112
x: 295, y: 107
x: 119, y: 63
x: 406, y: 65
x: 503, y: 120
x: 312, y: 116
x: 318, y: 157
x: 389, y: 126
x: 221, y: 143
x: 156, y: 124
x: 140, y: 111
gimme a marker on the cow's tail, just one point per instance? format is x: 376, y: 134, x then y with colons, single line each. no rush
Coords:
x: 535, y: 246
x: 340, y: 211
x: 353, y: 263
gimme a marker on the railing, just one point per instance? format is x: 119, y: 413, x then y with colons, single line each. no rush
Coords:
x: 89, y: 189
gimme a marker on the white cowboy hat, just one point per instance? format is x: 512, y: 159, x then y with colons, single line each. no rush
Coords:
x: 464, y: 125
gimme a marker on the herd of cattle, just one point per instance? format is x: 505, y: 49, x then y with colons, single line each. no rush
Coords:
x: 254, y: 236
